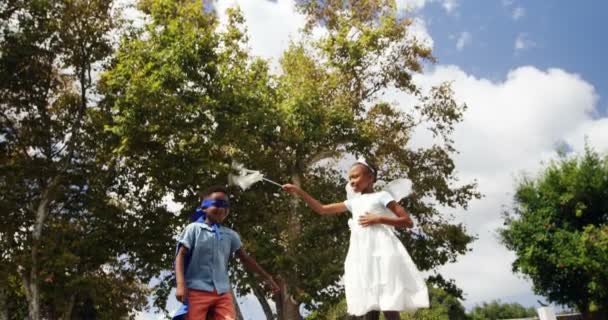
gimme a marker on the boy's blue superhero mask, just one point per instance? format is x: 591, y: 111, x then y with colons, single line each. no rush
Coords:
x: 200, y: 215
x: 217, y: 203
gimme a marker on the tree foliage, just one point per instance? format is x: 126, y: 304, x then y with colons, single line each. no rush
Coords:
x: 559, y: 232
x: 184, y: 95
x: 443, y: 306
x: 498, y: 310
x: 75, y: 240
x: 188, y: 99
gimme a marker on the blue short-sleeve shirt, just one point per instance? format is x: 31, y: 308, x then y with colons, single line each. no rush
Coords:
x: 208, y: 267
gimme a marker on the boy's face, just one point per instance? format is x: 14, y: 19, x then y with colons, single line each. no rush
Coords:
x: 214, y: 214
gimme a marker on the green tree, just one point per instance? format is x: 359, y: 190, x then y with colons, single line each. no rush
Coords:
x: 444, y: 306
x: 329, y: 102
x: 75, y: 241
x: 559, y: 233
x: 188, y: 99
x: 498, y: 310
x: 184, y: 93
x: 335, y: 311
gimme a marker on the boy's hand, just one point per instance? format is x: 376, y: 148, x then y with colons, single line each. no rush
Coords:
x: 369, y: 219
x: 274, y: 286
x: 180, y: 293
x: 293, y: 189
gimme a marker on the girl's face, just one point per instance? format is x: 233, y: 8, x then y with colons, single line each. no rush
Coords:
x: 214, y: 214
x: 360, y: 178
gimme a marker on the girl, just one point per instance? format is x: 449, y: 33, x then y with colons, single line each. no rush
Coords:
x: 378, y: 272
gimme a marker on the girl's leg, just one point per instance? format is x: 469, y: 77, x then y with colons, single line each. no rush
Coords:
x: 391, y: 315
x: 372, y: 315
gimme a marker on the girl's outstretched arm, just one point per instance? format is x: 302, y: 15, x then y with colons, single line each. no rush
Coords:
x: 315, y: 205
x: 401, y: 220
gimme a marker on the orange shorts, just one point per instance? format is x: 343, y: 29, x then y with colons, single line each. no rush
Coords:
x: 201, y: 302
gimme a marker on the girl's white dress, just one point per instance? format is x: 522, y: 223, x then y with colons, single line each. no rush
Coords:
x: 379, y: 274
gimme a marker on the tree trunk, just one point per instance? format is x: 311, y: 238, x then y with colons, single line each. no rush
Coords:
x: 32, y: 293
x: 596, y: 315
x: 32, y: 289
x: 30, y: 279
x: 259, y: 293
x: 287, y: 307
x: 3, y: 304
x: 67, y: 314
x: 294, y: 224
x: 237, y: 309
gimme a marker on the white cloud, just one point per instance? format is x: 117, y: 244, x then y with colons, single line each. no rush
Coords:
x: 450, y: 5
x: 523, y: 42
x: 518, y: 13
x: 464, y: 39
x: 596, y: 133
x: 270, y: 24
x: 411, y: 5
x: 419, y: 31
x: 414, y: 5
x: 510, y: 127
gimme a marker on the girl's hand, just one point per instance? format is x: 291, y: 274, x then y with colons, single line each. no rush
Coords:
x: 180, y: 293
x: 291, y: 188
x: 369, y: 219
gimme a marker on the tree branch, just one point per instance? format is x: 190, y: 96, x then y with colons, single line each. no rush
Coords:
x: 259, y: 294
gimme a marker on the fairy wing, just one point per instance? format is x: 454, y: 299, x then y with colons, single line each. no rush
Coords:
x: 399, y: 188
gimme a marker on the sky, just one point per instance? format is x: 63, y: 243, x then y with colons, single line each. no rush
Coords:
x: 533, y: 75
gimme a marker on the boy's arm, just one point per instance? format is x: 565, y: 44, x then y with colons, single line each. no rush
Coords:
x: 402, y: 219
x: 315, y: 205
x: 251, y: 264
x: 180, y: 291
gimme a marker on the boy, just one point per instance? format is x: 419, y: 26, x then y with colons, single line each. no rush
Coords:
x: 203, y: 282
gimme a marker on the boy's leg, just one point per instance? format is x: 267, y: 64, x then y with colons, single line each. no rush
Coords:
x: 224, y: 307
x: 210, y: 314
x: 199, y: 303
